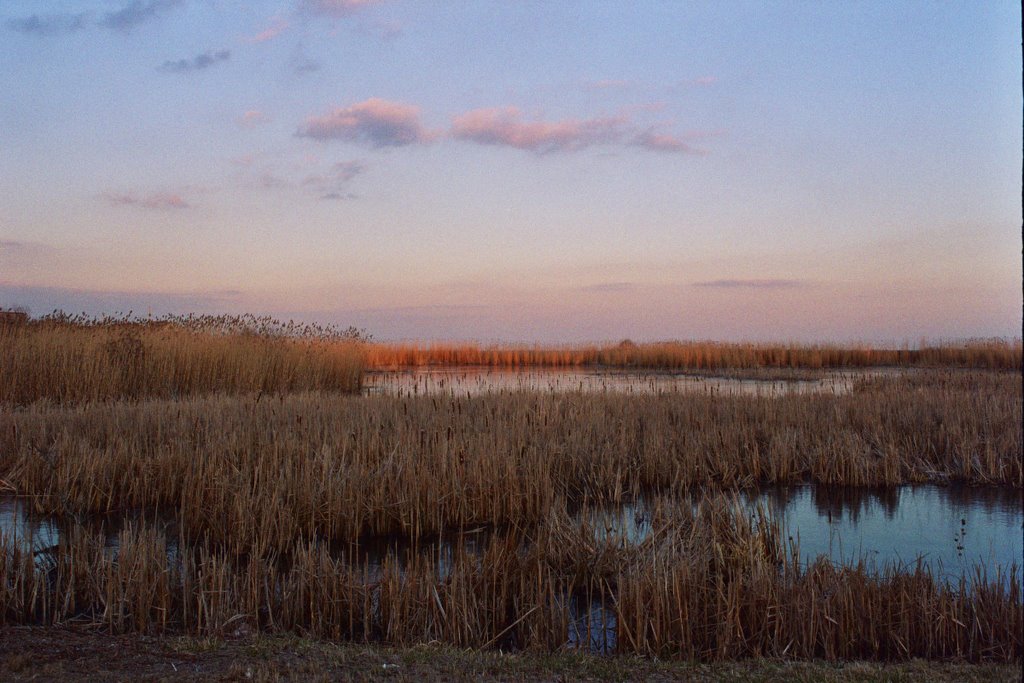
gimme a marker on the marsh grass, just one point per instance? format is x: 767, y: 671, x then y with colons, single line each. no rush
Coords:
x: 262, y: 470
x: 241, y: 432
x: 989, y: 354
x: 75, y: 359
x: 710, y: 583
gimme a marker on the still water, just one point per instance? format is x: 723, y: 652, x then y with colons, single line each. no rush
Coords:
x: 476, y: 381
x: 952, y: 529
x: 949, y: 528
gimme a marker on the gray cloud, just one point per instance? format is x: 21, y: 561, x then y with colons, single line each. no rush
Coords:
x: 607, y: 83
x: 19, y: 250
x: 665, y: 142
x: 157, y: 200
x: 301, y: 63
x: 197, y: 63
x: 331, y: 185
x: 306, y: 66
x: 333, y: 8
x: 608, y: 287
x: 135, y: 13
x: 49, y: 24
x: 751, y: 284
x: 269, y: 181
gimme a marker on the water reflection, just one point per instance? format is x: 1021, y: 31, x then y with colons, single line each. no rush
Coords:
x: 592, y: 623
x: 475, y: 381
x: 17, y: 521
x: 372, y: 554
x: 951, y: 526
x: 951, y: 529
x: 834, y: 503
x: 42, y: 534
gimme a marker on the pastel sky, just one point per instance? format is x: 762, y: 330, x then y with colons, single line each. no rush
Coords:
x: 519, y: 171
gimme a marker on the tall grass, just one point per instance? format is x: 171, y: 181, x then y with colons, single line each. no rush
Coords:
x: 239, y: 430
x: 710, y: 583
x: 992, y: 354
x: 266, y: 469
x: 67, y: 359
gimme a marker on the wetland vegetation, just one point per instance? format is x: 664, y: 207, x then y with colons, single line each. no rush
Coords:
x: 210, y: 476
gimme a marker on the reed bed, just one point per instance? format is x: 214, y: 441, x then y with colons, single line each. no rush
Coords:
x: 75, y: 359
x: 710, y: 583
x: 990, y: 354
x: 239, y: 432
x: 259, y: 471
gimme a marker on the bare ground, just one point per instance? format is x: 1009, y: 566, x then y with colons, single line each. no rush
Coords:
x: 56, y: 654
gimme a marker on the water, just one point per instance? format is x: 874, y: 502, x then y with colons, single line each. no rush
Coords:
x: 17, y: 521
x: 476, y: 381
x: 951, y: 529
x: 43, y: 534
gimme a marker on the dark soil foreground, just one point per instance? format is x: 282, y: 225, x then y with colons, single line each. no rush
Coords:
x: 56, y: 654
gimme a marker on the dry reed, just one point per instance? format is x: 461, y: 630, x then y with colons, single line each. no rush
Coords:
x: 990, y: 354
x: 263, y: 470
x: 709, y: 583
x: 65, y: 359
x: 230, y: 432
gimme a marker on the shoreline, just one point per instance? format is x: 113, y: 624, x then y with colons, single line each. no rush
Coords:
x: 88, y: 654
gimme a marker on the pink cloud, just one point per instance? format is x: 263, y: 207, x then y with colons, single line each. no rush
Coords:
x: 380, y: 122
x: 156, y: 200
x: 504, y: 126
x: 252, y: 118
x: 269, y: 33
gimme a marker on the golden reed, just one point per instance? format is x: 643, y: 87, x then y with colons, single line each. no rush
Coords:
x: 709, y: 583
x: 65, y: 359
x: 991, y: 354
x: 270, y: 468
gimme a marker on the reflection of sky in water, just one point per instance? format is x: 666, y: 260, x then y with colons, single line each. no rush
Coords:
x: 41, y: 533
x: 463, y: 381
x: 16, y: 522
x: 951, y: 528
x: 592, y: 624
x: 371, y: 554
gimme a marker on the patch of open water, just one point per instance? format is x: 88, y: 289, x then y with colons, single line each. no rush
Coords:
x: 951, y: 529
x: 468, y: 381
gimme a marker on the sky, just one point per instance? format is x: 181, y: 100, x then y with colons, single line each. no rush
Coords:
x: 519, y: 171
